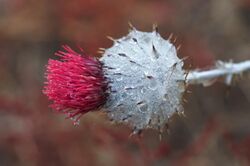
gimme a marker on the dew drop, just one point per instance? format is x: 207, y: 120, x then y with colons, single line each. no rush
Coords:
x: 143, y: 107
x: 152, y: 84
x: 119, y: 78
x: 143, y: 90
x: 166, y: 97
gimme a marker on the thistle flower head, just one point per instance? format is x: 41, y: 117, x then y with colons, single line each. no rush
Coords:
x: 144, y: 73
x: 75, y: 83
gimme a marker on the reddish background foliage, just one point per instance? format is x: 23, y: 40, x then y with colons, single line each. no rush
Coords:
x: 215, y: 130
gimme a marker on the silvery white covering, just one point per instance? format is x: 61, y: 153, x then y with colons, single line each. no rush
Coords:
x: 143, y: 70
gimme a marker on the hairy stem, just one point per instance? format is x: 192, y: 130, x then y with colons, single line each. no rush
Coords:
x: 221, y: 69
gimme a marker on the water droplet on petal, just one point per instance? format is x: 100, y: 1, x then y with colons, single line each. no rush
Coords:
x: 153, y: 84
x: 143, y: 107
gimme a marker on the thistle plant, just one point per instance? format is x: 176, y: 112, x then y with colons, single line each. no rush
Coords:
x: 139, y: 81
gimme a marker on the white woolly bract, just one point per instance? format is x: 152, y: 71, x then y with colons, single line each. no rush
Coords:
x: 143, y: 70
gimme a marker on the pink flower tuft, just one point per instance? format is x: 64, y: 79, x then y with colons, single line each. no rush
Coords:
x: 76, y: 84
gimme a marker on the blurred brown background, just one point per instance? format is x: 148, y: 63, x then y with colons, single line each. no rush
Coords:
x: 215, y: 130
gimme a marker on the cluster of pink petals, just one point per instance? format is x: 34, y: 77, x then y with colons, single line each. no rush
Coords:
x: 75, y: 83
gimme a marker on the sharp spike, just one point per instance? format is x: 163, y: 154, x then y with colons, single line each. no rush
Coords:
x: 179, y: 113
x: 184, y: 58
x: 175, y: 39
x: 100, y: 52
x: 160, y: 133
x: 135, y: 131
x: 170, y: 36
x: 131, y: 27
x: 155, y: 28
x: 111, y: 38
x: 182, y: 113
x: 178, y: 47
x: 102, y: 49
